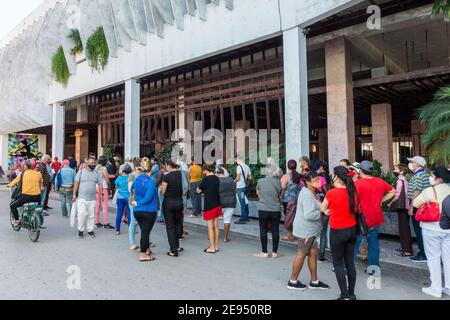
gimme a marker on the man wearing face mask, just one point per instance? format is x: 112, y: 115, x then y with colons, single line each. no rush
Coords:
x: 84, y: 197
x: 419, y: 182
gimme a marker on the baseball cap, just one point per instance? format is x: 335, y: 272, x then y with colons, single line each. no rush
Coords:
x: 219, y: 162
x: 356, y: 166
x: 366, y: 166
x: 128, y: 158
x: 419, y: 160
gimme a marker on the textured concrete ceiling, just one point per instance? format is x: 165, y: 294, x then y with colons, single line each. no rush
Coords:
x: 25, y: 55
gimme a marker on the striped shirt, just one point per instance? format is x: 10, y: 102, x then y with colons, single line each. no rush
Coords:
x: 45, y: 176
x: 419, y: 182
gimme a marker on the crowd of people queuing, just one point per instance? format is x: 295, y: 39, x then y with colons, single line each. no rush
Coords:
x: 320, y: 208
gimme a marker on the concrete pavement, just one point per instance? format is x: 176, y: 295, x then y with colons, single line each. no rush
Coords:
x: 110, y: 271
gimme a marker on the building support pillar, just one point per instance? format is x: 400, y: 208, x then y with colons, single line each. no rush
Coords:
x: 296, y: 94
x: 58, y: 131
x: 382, y: 135
x: 4, y: 156
x: 340, y: 107
x: 132, y: 118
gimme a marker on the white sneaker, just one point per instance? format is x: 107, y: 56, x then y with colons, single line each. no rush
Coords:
x: 432, y: 293
x: 446, y: 291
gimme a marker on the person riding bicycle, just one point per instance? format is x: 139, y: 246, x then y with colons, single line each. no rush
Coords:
x: 32, y: 186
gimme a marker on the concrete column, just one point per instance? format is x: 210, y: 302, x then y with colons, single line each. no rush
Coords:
x: 42, y: 143
x: 382, y: 135
x: 132, y: 118
x: 340, y: 107
x: 82, y: 145
x: 417, y: 129
x: 4, y: 156
x: 99, y: 140
x: 58, y: 131
x: 296, y: 94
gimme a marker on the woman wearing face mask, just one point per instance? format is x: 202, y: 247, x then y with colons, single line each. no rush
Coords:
x: 436, y: 240
x: 401, y: 204
x: 340, y: 204
x: 308, y: 229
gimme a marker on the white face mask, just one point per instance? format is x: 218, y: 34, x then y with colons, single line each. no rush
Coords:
x: 432, y: 181
x: 411, y: 167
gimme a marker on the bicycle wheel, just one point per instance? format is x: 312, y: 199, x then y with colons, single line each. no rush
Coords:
x: 13, y: 222
x: 33, y: 231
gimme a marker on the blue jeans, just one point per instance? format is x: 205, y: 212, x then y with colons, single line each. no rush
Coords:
x: 196, y: 199
x: 244, y: 207
x: 122, y: 205
x: 418, y: 231
x: 132, y: 227
x: 373, y: 246
x: 161, y: 211
x: 66, y: 198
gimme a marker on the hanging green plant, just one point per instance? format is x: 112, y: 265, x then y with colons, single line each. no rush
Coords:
x: 442, y: 6
x: 74, y: 35
x: 97, y: 51
x: 60, y: 68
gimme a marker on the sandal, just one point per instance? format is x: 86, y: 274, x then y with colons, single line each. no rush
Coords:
x: 261, y: 255
x: 180, y: 249
x: 147, y: 259
x: 208, y: 251
x: 226, y: 240
x: 405, y: 254
x: 135, y: 249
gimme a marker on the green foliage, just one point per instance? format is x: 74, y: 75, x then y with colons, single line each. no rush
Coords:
x: 165, y: 153
x: 442, y: 6
x: 436, y: 118
x: 109, y: 151
x: 60, y: 68
x: 97, y: 51
x: 74, y: 35
x: 377, y: 168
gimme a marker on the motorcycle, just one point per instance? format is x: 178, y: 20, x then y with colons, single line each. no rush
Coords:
x: 31, y: 219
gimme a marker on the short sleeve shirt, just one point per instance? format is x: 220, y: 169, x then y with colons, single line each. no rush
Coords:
x: 371, y: 193
x: 210, y: 187
x: 419, y: 182
x: 174, y: 185
x: 245, y: 172
x: 88, y: 184
x: 269, y: 191
x: 340, y: 215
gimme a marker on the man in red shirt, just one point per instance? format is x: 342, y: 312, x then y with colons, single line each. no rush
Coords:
x: 372, y: 192
x: 56, y: 166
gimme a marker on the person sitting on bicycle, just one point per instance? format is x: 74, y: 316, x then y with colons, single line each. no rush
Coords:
x: 32, y: 186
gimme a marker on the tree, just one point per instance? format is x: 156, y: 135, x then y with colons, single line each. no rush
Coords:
x: 436, y: 118
x: 442, y: 6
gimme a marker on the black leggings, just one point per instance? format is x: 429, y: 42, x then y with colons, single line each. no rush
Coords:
x: 173, y: 216
x: 23, y: 199
x: 274, y: 218
x: 343, y: 243
x: 146, y: 221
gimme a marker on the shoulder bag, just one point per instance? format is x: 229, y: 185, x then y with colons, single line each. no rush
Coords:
x: 430, y: 211
x: 18, y: 190
x: 361, y: 223
x: 400, y: 203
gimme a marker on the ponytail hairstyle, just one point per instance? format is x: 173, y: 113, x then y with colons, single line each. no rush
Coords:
x: 292, y: 166
x: 342, y: 174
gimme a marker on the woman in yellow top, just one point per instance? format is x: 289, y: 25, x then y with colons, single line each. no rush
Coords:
x: 32, y: 186
x: 195, y: 178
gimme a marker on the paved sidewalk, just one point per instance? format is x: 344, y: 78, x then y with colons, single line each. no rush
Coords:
x: 390, y: 260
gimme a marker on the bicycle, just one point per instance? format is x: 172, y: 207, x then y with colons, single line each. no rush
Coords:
x: 31, y: 219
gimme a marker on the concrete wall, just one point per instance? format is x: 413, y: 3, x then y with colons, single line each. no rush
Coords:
x: 250, y: 21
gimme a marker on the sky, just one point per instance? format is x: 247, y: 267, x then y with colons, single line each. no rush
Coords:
x: 13, y: 12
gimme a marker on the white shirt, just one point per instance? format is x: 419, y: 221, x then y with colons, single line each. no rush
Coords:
x: 246, y: 173
x: 442, y: 192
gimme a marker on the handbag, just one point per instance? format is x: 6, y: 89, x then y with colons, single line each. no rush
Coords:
x: 18, y: 190
x: 400, y: 203
x: 291, y: 210
x: 430, y: 211
x: 361, y: 223
x: 73, y: 214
